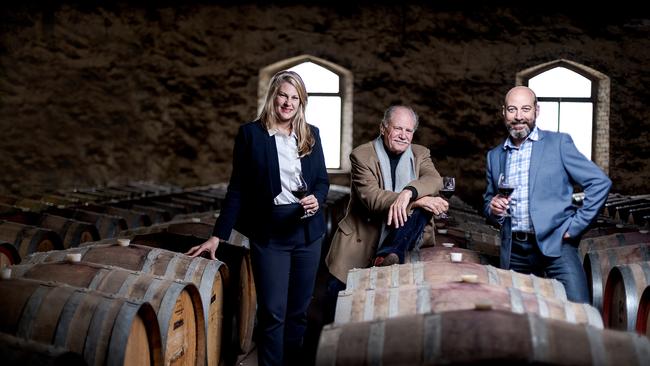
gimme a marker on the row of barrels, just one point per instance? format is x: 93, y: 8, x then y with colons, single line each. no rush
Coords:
x: 628, y: 209
x: 195, y: 301
x: 441, y: 311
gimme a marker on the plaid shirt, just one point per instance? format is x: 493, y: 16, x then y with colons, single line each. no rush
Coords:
x: 517, y: 167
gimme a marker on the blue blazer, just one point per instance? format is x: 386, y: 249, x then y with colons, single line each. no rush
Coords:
x: 555, y: 166
x: 255, y: 182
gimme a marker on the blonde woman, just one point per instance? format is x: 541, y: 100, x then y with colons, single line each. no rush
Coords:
x: 285, y: 229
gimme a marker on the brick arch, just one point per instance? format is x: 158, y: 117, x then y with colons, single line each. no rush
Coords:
x: 346, y: 85
x: 601, y: 91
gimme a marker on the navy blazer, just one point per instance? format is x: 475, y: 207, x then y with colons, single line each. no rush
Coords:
x: 555, y: 165
x: 255, y: 182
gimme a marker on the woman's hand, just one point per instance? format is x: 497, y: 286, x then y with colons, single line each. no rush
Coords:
x: 209, y: 245
x: 309, y: 204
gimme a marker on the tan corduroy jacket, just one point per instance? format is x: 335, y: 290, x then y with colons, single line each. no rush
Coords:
x: 355, y: 242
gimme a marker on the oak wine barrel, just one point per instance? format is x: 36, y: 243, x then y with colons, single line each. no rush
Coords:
x: 441, y: 272
x: 611, y: 241
x: 380, y: 303
x: 598, y: 263
x: 235, y: 253
x: 643, y: 313
x: 473, y: 337
x: 209, y: 276
x: 177, y: 304
x: 104, y: 329
x: 29, y: 239
x: 623, y: 290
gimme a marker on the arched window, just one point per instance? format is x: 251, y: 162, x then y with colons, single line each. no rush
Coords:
x: 574, y: 99
x: 329, y: 107
x: 566, y: 105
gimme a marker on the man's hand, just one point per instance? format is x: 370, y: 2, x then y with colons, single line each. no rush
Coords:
x: 499, y: 205
x: 397, y: 214
x: 437, y: 205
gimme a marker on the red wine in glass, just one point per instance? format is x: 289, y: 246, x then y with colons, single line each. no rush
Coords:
x: 447, y: 193
x: 505, y: 188
x: 300, y: 191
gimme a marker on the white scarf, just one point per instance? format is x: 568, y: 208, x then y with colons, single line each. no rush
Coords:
x: 404, y: 173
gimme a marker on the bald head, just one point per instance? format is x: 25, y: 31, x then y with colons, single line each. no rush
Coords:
x: 521, y: 92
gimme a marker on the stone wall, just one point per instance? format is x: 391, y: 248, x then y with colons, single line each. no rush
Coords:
x: 100, y: 94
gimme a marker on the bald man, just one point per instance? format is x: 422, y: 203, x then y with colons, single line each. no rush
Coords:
x: 540, y: 228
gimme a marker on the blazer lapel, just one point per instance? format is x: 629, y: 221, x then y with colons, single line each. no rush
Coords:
x: 535, y: 158
x: 273, y: 166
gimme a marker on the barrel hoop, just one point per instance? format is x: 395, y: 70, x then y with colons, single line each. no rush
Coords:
x: 596, y: 346
x: 393, y: 301
x: 559, y: 290
x: 423, y: 300
x: 493, y: 276
x: 167, y: 304
x: 516, y: 300
x: 516, y: 281
x: 539, y: 338
x: 543, y: 306
x: 418, y: 273
x: 170, y: 272
x: 394, y: 276
x: 67, y: 313
x: 152, y: 256
x: 29, y: 312
x: 98, y: 278
x: 369, y: 305
x: 343, y: 310
x: 432, y: 339
x: 127, y: 286
x: 372, y: 278
x: 645, y: 266
x: 123, y: 321
x: 205, y: 286
x: 631, y: 298
x: 376, y: 343
x: 97, y: 330
x: 191, y: 270
x: 569, y: 312
x: 415, y: 256
x: 593, y: 258
x: 536, y: 283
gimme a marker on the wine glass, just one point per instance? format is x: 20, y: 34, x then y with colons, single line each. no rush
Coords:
x: 299, y: 190
x: 447, y: 191
x: 505, y: 188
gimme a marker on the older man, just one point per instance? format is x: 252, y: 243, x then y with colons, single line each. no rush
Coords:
x: 390, y: 178
x: 542, y: 232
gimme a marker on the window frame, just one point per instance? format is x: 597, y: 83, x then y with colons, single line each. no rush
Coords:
x: 600, y: 92
x: 345, y: 93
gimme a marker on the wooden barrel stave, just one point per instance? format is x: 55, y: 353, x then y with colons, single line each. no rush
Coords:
x: 441, y: 254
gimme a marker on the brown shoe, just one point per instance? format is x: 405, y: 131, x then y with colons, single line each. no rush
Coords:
x: 388, y: 260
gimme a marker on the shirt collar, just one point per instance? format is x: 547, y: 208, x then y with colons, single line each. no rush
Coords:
x: 533, y: 136
x: 275, y: 131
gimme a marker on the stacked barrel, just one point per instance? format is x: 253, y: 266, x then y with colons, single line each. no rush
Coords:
x: 448, y: 305
x: 617, y: 263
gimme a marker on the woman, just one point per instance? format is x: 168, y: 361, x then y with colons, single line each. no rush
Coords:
x: 269, y: 154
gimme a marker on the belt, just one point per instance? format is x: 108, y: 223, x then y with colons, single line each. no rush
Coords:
x: 523, y: 236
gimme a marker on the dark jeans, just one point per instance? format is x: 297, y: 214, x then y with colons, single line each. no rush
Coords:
x: 400, y: 240
x: 285, y: 275
x: 567, y: 268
